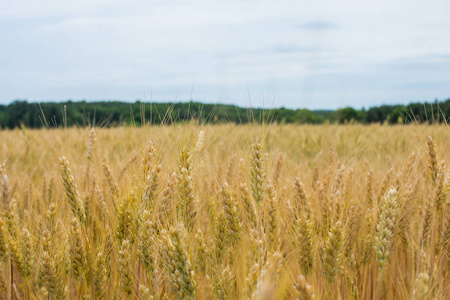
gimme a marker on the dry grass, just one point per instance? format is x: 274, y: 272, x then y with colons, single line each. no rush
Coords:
x: 225, y: 212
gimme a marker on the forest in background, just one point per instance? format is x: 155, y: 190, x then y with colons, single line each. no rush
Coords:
x: 116, y: 113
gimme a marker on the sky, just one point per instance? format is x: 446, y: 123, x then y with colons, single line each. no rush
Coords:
x: 297, y: 54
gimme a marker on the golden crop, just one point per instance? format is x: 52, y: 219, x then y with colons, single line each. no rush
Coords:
x: 225, y: 212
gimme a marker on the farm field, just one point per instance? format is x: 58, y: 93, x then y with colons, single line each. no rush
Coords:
x: 225, y: 212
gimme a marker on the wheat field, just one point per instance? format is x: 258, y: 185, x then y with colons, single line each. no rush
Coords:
x: 225, y: 212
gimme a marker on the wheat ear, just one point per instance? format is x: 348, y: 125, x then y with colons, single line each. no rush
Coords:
x: 303, y: 289
x: 71, y: 190
x: 332, y: 253
x: 177, y: 263
x: 257, y: 172
x: 125, y: 268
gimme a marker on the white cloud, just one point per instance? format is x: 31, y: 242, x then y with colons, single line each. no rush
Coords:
x: 326, y: 53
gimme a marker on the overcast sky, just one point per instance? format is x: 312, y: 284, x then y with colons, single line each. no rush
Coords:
x: 313, y: 54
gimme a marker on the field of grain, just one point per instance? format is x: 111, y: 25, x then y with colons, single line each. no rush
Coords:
x: 225, y: 212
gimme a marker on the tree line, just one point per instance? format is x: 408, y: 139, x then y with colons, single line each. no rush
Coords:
x: 115, y: 113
